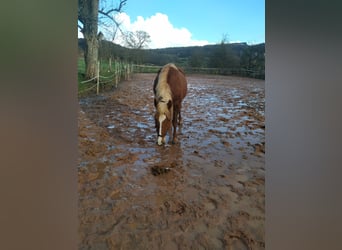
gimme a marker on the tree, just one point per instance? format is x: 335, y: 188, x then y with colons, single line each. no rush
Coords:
x: 137, y: 40
x: 88, y: 17
x: 223, y: 56
x: 197, y: 59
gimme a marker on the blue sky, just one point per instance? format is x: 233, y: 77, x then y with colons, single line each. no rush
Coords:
x: 241, y: 20
x: 175, y: 23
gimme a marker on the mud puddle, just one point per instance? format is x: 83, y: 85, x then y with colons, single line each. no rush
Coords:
x: 206, y: 192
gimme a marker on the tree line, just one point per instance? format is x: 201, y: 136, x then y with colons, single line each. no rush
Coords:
x: 236, y: 56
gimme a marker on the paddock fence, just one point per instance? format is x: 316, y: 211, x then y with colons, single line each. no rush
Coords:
x: 260, y: 74
x: 109, y: 73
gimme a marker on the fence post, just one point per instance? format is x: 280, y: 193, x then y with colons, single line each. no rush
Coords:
x: 116, y: 73
x: 128, y: 71
x: 125, y: 70
x: 98, y: 77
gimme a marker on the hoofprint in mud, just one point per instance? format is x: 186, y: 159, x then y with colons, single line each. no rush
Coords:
x: 205, y: 192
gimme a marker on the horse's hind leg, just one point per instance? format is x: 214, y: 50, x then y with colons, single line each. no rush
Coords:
x: 180, y: 118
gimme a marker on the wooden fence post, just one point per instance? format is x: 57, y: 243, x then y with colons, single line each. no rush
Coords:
x: 116, y: 73
x: 98, y: 77
x: 125, y: 69
x: 110, y: 64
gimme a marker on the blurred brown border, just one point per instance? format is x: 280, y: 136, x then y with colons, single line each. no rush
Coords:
x: 303, y: 131
x: 38, y: 128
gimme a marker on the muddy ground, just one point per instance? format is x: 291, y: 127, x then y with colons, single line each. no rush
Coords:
x: 206, y: 192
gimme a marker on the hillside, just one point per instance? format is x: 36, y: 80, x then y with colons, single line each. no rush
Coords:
x: 235, y: 57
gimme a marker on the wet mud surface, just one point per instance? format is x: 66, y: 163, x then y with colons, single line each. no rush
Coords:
x: 205, y: 192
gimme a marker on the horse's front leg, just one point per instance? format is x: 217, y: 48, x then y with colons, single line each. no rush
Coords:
x: 174, y: 124
x: 180, y: 122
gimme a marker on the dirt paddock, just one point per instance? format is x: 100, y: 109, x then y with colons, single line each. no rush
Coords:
x: 206, y: 192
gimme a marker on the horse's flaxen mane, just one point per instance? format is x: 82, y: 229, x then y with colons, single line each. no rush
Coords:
x: 163, y: 91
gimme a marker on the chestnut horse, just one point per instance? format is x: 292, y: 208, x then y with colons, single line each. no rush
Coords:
x: 170, y: 88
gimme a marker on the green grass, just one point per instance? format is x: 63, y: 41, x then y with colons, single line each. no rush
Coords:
x: 147, y: 69
x: 81, y: 73
x: 105, y: 71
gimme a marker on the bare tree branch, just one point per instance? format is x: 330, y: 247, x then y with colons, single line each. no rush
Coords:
x: 118, y: 28
x: 117, y: 9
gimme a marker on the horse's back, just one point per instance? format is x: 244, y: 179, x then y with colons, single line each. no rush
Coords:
x: 178, y: 84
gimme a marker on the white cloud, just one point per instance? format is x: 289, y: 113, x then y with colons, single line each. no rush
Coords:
x: 162, y: 32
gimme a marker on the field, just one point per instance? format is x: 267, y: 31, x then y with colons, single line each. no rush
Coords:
x: 206, y: 192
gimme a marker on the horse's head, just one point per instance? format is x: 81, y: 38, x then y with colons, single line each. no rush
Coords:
x: 163, y: 120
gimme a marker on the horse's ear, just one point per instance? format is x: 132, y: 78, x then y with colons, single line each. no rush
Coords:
x: 169, y: 104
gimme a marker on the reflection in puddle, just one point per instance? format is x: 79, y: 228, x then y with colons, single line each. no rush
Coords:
x: 141, y: 125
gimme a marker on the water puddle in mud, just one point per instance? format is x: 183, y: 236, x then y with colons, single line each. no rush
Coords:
x: 141, y: 125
